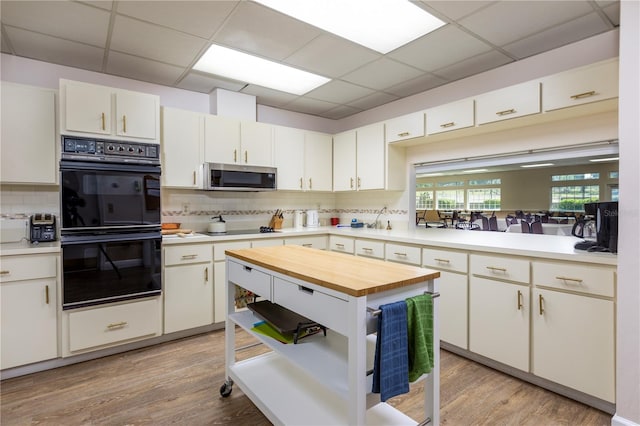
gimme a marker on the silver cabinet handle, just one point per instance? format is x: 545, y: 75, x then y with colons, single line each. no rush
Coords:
x: 520, y: 305
x: 495, y: 268
x: 442, y: 260
x: 115, y: 325
x: 189, y: 256
x: 541, y: 304
x: 400, y: 254
x: 577, y: 280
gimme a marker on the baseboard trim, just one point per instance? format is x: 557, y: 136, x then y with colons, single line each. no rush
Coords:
x: 621, y: 421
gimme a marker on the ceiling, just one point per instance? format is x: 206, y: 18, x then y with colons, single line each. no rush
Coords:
x: 160, y: 41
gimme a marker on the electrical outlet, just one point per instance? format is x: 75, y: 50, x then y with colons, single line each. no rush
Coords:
x: 185, y: 207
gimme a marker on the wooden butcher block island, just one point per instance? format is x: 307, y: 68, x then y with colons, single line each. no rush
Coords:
x: 322, y: 380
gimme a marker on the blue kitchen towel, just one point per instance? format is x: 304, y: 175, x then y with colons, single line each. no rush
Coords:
x: 391, y: 362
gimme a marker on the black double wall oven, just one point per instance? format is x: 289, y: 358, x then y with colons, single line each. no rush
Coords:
x: 110, y: 216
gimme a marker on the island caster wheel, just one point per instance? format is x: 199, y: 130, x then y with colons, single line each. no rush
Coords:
x: 225, y: 390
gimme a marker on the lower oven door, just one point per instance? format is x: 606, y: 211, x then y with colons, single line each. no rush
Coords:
x: 110, y: 268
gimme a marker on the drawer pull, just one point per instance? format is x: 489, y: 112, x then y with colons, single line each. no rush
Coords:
x: 445, y: 125
x: 301, y: 183
x: 246, y: 157
x: 307, y: 245
x: 495, y: 268
x: 403, y: 134
x: 247, y: 268
x: 400, y: 254
x: 351, y: 186
x: 520, y: 305
x: 340, y: 245
x: 442, y: 260
x: 367, y: 249
x: 577, y: 280
x: 206, y: 275
x: 115, y: 325
x: 541, y: 304
x: 46, y: 294
x: 103, y: 124
x: 583, y: 95
x: 189, y: 256
x: 305, y: 289
x: 235, y: 155
x: 505, y: 112
x: 5, y: 272
x: 194, y: 177
x: 124, y: 124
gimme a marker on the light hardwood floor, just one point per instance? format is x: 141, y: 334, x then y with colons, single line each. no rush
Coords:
x: 178, y: 383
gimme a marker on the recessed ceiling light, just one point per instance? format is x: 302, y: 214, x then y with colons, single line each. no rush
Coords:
x: 252, y: 69
x: 381, y: 25
x: 526, y: 166
x: 475, y: 171
x: 597, y: 160
x: 429, y: 175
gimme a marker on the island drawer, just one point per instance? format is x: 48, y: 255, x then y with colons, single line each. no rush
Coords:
x: 341, y: 244
x: 27, y: 267
x: 113, y: 324
x: 323, y: 308
x: 445, y: 259
x: 506, y: 268
x: 575, y: 277
x: 250, y: 279
x: 370, y: 248
x: 403, y: 254
x: 184, y: 254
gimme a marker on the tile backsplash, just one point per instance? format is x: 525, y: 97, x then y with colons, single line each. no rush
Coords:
x: 24, y: 200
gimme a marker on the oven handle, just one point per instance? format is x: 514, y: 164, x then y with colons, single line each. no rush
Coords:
x: 69, y: 240
x: 66, y: 165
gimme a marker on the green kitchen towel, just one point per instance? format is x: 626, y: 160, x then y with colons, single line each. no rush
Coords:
x: 420, y: 335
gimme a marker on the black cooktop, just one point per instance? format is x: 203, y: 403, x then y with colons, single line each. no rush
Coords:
x: 243, y: 231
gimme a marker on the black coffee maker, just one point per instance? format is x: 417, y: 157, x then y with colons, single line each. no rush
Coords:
x: 605, y: 215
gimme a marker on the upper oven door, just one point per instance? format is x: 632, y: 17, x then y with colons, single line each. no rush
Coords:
x: 103, y: 196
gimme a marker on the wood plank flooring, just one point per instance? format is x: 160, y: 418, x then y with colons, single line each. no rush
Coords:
x: 178, y: 383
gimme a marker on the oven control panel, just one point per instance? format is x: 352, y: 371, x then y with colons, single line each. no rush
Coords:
x: 105, y: 150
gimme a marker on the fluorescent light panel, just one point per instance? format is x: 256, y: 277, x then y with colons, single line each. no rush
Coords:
x: 527, y: 166
x: 381, y: 25
x: 598, y: 160
x: 240, y: 66
x: 475, y: 171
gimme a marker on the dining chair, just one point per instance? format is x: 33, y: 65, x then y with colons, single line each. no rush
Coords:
x: 525, y: 226
x: 493, y: 223
x: 552, y: 220
x: 421, y: 216
x: 511, y: 220
x: 536, y: 228
x: 485, y: 223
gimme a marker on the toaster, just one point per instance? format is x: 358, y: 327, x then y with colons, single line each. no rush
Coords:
x: 42, y: 227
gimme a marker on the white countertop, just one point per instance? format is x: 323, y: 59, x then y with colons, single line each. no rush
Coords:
x: 530, y: 245
x: 25, y: 247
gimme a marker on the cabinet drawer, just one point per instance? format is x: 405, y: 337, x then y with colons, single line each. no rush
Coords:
x: 369, y: 248
x: 402, y: 253
x: 575, y: 277
x: 269, y: 242
x: 505, y: 268
x: 103, y: 326
x: 317, y: 242
x: 27, y: 267
x: 180, y: 255
x: 445, y: 259
x: 250, y: 279
x: 220, y: 248
x: 325, y: 309
x: 510, y: 102
x: 342, y: 244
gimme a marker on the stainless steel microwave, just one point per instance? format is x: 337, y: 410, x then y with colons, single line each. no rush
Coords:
x: 236, y: 177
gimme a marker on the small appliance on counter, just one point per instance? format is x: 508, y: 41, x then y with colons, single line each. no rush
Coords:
x: 313, y: 220
x: 42, y: 228
x: 606, y: 227
x: 218, y: 226
x: 298, y: 219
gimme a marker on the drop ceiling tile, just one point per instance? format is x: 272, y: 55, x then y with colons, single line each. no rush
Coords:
x: 339, y: 92
x: 499, y: 23
x: 341, y: 111
x: 416, y: 85
x: 102, y: 4
x: 570, y: 32
x: 613, y: 13
x: 439, y: 49
x: 142, y: 69
x: 310, y: 106
x: 205, y: 83
x: 199, y: 18
x: 5, y: 45
x: 474, y: 65
x: 257, y: 29
x: 266, y: 96
x: 381, y: 74
x: 373, y: 100
x: 153, y: 42
x: 331, y: 56
x: 64, y: 19
x: 55, y: 50
x: 455, y: 10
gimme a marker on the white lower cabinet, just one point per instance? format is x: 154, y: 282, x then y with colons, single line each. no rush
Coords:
x: 369, y: 248
x: 220, y: 277
x: 403, y: 254
x: 499, y: 321
x: 312, y: 241
x: 573, y: 342
x: 341, y: 244
x: 453, y: 308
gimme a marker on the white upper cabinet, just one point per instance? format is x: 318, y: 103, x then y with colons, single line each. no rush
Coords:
x: 90, y: 110
x: 511, y: 102
x: 231, y: 141
x: 370, y: 158
x: 256, y: 143
x: 182, y: 147
x: 28, y: 135
x: 405, y: 127
x: 288, y: 157
x: 452, y: 116
x: 344, y: 161
x: 592, y: 83
x: 317, y: 161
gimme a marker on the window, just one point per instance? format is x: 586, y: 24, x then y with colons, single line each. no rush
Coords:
x: 424, y: 200
x: 613, y: 175
x: 447, y: 184
x: 483, y: 199
x: 450, y: 199
x: 572, y: 198
x: 497, y: 181
x: 579, y: 176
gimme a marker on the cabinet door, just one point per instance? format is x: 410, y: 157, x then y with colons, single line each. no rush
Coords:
x: 87, y: 108
x: 188, y: 296
x: 499, y: 321
x: 28, y: 135
x: 406, y: 127
x: 344, y: 161
x: 453, y: 308
x: 510, y: 102
x: 589, y: 84
x: 452, y: 116
x: 573, y: 342
x: 221, y: 140
x: 318, y: 161
x: 371, y: 157
x: 288, y: 157
x: 256, y: 143
x: 137, y: 115
x: 29, y: 323
x: 219, y: 292
x: 181, y: 148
